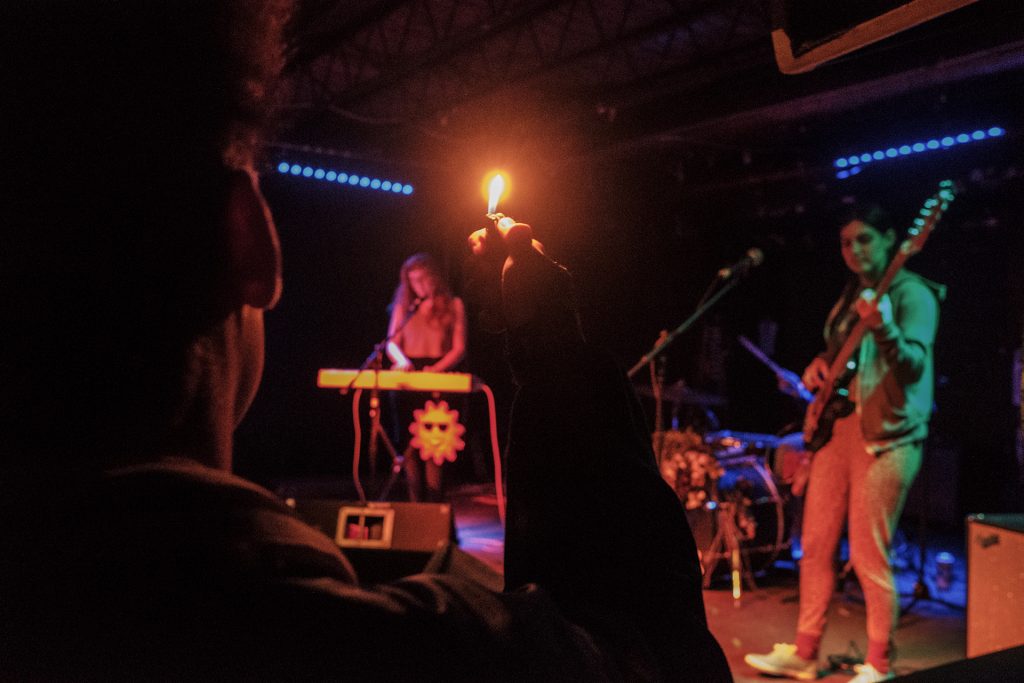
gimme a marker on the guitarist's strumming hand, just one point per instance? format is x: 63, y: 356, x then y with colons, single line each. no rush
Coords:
x: 876, y: 314
x: 816, y: 373
x: 790, y: 385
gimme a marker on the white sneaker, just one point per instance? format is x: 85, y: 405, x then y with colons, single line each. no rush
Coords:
x: 784, y: 661
x: 867, y: 673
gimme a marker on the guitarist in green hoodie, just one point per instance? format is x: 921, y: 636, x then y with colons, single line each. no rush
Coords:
x: 867, y: 441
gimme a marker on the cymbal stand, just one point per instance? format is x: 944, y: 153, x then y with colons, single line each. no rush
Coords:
x: 726, y: 544
x: 657, y: 382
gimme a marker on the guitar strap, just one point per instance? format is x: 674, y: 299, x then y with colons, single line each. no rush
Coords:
x: 841, y: 318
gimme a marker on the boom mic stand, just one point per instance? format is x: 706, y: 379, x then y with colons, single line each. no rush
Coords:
x: 664, y: 342
x: 375, y: 363
x: 726, y: 543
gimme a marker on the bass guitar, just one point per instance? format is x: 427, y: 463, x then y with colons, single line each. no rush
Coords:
x: 832, y: 400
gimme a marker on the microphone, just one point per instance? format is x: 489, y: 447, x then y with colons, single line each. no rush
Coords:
x: 416, y: 303
x: 753, y: 258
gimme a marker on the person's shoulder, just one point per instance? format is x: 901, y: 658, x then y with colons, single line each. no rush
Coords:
x: 173, y: 474
x: 910, y: 284
x: 248, y: 529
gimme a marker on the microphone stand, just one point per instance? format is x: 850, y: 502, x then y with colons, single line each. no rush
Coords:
x: 375, y: 363
x: 727, y: 540
x: 664, y: 342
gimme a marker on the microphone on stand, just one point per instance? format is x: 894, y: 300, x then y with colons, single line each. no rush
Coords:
x: 414, y: 306
x: 753, y: 258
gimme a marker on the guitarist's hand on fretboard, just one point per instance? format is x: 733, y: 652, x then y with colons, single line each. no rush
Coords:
x: 875, y: 314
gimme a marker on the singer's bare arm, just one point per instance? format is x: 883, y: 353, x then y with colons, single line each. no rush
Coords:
x: 394, y: 349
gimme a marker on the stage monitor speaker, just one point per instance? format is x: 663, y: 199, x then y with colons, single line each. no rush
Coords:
x: 995, y: 583
x: 384, y: 541
x: 807, y: 33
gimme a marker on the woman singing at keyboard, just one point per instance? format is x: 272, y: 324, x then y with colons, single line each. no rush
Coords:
x: 427, y: 332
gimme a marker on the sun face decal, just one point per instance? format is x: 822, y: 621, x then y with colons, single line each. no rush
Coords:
x: 436, y: 432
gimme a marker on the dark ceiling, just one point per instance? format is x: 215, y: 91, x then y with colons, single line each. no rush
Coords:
x: 418, y: 82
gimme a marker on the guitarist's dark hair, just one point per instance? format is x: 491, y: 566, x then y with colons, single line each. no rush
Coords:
x: 870, y: 213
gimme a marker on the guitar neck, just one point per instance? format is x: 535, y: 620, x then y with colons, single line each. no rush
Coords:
x: 860, y: 328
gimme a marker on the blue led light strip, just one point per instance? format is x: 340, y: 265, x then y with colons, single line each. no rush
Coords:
x: 343, y: 178
x: 851, y: 165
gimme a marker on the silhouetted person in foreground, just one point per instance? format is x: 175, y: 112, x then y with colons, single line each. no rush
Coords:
x: 589, y: 516
x: 140, y: 259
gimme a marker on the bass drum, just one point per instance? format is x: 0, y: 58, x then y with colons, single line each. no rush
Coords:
x: 747, y: 491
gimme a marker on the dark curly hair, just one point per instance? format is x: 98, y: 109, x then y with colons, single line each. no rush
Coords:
x: 124, y: 119
x: 124, y: 123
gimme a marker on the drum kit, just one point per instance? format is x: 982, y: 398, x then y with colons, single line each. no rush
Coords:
x: 742, y: 491
x: 735, y: 487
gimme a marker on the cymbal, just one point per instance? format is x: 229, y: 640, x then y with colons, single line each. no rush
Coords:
x: 680, y: 393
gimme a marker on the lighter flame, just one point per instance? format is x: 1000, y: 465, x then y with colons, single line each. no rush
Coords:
x: 494, y: 192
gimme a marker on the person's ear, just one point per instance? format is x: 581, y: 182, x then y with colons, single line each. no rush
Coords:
x: 252, y: 243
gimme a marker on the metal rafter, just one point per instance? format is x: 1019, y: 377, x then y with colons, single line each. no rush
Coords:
x: 433, y: 66
x: 657, y: 47
x: 424, y: 42
x: 427, y: 57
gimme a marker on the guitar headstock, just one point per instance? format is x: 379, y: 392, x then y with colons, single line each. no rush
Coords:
x: 930, y: 214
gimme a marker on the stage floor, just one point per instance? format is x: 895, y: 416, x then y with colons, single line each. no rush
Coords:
x: 930, y: 633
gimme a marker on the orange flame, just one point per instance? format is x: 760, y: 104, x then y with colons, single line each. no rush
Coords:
x: 494, y: 191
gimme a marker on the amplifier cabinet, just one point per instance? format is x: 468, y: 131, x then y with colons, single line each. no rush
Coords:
x: 995, y: 582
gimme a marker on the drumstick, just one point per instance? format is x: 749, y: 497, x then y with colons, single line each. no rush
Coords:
x: 786, y: 377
